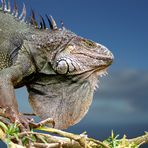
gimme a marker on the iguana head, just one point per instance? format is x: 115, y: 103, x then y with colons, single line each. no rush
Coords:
x: 71, y: 55
x: 80, y: 56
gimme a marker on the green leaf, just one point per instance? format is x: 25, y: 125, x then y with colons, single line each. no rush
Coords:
x: 42, y: 139
x: 33, y: 138
x: 25, y: 140
x: 112, y: 141
x: 5, y: 128
x: 112, y: 134
x: 16, y: 136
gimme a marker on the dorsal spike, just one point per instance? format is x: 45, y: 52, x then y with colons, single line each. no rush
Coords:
x: 32, y: 15
x: 53, y: 23
x: 43, y: 22
x: 41, y: 25
x: 40, y: 22
x: 9, y: 6
x: 4, y: 6
x: 49, y: 21
x: 23, y: 14
x: 33, y: 19
x: 15, y: 9
x: 62, y: 23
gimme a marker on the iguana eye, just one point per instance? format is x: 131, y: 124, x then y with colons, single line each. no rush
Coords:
x: 64, y: 66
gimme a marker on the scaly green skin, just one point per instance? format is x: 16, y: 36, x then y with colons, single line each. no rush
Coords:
x: 59, y: 68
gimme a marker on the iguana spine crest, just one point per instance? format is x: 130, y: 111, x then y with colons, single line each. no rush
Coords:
x: 6, y: 8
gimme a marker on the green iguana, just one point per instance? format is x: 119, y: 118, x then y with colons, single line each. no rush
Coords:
x: 59, y: 68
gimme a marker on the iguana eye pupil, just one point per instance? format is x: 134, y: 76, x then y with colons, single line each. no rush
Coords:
x: 62, y: 67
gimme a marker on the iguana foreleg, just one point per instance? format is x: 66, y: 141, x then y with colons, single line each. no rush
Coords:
x: 11, y: 77
x: 8, y: 104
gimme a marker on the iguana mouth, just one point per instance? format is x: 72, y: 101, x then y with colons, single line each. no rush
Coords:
x: 102, y: 72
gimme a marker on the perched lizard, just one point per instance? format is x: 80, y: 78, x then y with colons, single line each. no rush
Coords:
x: 59, y: 68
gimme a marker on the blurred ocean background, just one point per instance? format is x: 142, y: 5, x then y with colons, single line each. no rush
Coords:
x: 121, y: 102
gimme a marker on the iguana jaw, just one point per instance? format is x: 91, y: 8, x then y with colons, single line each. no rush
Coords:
x: 107, y: 59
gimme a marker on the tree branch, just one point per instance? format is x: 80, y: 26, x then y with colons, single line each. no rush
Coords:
x: 63, y: 139
x: 140, y: 140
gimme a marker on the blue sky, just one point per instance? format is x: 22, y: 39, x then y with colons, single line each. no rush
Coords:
x: 121, y: 25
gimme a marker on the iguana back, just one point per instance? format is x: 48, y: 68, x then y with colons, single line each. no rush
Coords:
x: 13, y: 30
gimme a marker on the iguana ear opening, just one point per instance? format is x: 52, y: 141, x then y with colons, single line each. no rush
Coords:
x: 64, y: 66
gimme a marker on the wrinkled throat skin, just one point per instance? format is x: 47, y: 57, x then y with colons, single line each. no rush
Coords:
x: 66, y: 100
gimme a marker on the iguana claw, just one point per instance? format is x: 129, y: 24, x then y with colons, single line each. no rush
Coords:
x: 42, y: 123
